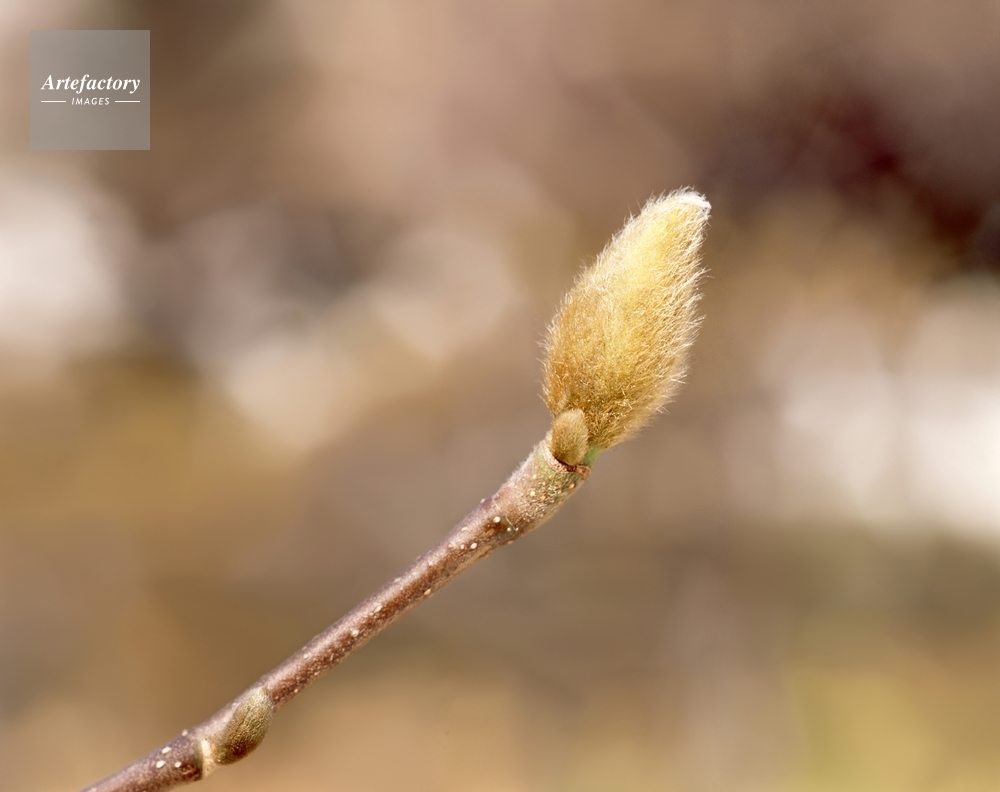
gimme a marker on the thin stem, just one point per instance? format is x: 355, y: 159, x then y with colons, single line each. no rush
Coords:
x: 530, y: 496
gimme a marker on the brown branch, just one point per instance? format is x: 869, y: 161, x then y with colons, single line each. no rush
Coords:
x: 530, y: 496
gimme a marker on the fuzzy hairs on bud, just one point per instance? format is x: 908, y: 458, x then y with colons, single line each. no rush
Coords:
x: 617, y: 349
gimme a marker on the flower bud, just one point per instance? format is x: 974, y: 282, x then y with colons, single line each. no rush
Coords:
x: 246, y: 728
x: 617, y: 348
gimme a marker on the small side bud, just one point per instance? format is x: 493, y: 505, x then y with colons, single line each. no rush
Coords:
x: 246, y: 728
x: 617, y: 348
x: 568, y: 438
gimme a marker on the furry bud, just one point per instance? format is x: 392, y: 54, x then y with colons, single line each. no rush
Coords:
x: 617, y: 348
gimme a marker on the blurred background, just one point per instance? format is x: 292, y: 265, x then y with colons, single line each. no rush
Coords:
x: 250, y: 374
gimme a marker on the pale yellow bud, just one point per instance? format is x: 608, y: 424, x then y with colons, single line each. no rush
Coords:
x: 617, y: 348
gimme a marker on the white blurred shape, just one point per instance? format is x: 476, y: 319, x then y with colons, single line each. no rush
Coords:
x: 837, y: 418
x: 443, y: 291
x: 295, y: 387
x: 954, y: 454
x: 951, y: 370
x: 889, y: 440
x: 60, y: 246
x: 837, y: 433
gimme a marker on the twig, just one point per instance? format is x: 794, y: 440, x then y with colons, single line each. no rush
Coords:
x: 530, y: 496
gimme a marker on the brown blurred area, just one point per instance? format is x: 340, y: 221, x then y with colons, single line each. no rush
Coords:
x: 248, y: 375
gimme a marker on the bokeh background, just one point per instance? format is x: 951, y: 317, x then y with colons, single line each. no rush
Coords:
x: 248, y: 375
